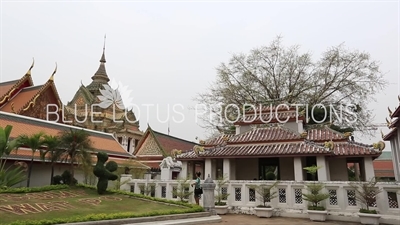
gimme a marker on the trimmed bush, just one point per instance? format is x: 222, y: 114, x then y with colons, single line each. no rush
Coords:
x: 104, y: 173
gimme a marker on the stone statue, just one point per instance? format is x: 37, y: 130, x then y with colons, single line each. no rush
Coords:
x: 168, y: 162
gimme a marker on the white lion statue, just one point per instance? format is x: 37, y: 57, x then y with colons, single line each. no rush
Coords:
x: 170, y: 163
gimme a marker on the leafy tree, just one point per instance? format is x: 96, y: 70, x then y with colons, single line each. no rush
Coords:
x: 182, y: 190
x: 314, y: 195
x: 221, y: 181
x: 34, y: 142
x: 275, y: 74
x: 265, y: 193
x: 13, y: 174
x: 366, y: 193
x: 77, y: 145
x: 53, y: 152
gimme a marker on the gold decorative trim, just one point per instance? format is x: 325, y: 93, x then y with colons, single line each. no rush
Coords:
x: 31, y: 103
x: 12, y: 107
x: 390, y: 112
x: 7, y: 96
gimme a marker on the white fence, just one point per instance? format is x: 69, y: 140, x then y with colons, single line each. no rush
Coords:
x: 341, y: 204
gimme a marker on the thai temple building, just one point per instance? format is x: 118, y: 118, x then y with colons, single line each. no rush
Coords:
x: 119, y: 121
x: 280, y: 151
x: 394, y: 137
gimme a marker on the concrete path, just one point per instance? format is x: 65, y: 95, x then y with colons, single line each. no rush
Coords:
x: 240, y: 219
x: 191, y: 221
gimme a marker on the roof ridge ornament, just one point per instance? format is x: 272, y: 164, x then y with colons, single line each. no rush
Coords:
x: 54, y: 72
x: 30, y: 68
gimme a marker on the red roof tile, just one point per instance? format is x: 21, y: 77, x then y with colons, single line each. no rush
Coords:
x: 219, y: 140
x: 284, y: 149
x: 267, y: 134
x: 168, y: 143
x: 324, y: 134
x: 260, y: 150
x: 354, y: 149
x: 5, y: 87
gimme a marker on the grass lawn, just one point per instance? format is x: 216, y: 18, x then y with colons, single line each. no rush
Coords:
x: 73, y: 202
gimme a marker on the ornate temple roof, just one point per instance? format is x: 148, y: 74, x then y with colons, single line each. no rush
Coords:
x: 165, y: 142
x: 9, y: 89
x: 100, y: 77
x: 22, y: 94
x: 393, y: 122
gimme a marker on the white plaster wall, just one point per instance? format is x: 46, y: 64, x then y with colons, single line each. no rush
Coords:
x: 246, y: 169
x: 338, y: 169
x: 286, y: 166
x: 41, y: 172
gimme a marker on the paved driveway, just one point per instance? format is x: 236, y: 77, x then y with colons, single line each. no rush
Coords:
x: 241, y: 219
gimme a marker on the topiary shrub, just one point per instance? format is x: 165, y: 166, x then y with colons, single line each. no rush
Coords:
x: 66, y: 177
x: 57, y: 180
x: 104, y: 173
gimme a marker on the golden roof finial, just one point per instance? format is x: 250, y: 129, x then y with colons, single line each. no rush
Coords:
x: 390, y: 112
x: 52, y: 75
x: 30, y: 68
x: 387, y: 122
x: 383, y: 135
x: 398, y: 97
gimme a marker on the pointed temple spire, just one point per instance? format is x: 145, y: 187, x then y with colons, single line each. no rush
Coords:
x: 100, y: 77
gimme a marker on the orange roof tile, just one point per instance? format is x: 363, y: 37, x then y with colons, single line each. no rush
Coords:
x: 5, y: 87
x: 27, y: 125
x: 16, y: 103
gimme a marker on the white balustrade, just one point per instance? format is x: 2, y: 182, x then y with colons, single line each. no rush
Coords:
x: 242, y: 199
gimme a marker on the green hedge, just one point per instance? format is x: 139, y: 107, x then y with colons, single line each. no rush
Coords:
x: 189, y: 208
x: 33, y: 189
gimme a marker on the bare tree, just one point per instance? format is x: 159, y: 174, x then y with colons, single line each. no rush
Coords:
x: 282, y: 74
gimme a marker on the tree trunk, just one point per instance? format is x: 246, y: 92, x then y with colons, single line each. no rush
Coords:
x: 72, y: 172
x: 52, y: 174
x: 29, y: 173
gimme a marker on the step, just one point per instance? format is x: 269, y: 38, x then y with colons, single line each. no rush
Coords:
x: 190, y: 221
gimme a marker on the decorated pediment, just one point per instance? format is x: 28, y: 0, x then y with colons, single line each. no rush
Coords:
x: 150, y: 147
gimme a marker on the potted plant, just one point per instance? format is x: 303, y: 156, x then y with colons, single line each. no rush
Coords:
x: 221, y: 207
x: 366, y: 193
x: 265, y: 194
x: 314, y: 196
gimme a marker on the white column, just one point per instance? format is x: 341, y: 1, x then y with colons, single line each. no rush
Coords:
x: 368, y: 168
x: 183, y: 173
x: 227, y: 168
x: 322, y: 172
x: 207, y: 168
x: 298, y: 169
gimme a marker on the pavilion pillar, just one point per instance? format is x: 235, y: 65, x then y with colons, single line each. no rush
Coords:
x: 368, y: 168
x: 323, y: 171
x: 298, y: 169
x: 227, y: 168
x: 207, y: 168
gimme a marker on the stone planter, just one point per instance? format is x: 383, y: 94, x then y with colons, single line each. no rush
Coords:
x: 369, y: 218
x: 221, y: 209
x: 317, y: 215
x: 264, y: 212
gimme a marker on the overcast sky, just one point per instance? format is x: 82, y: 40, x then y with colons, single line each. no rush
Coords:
x: 167, y: 52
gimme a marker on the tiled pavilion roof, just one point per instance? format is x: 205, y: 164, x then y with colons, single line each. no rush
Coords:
x: 279, y: 141
x: 26, y: 125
